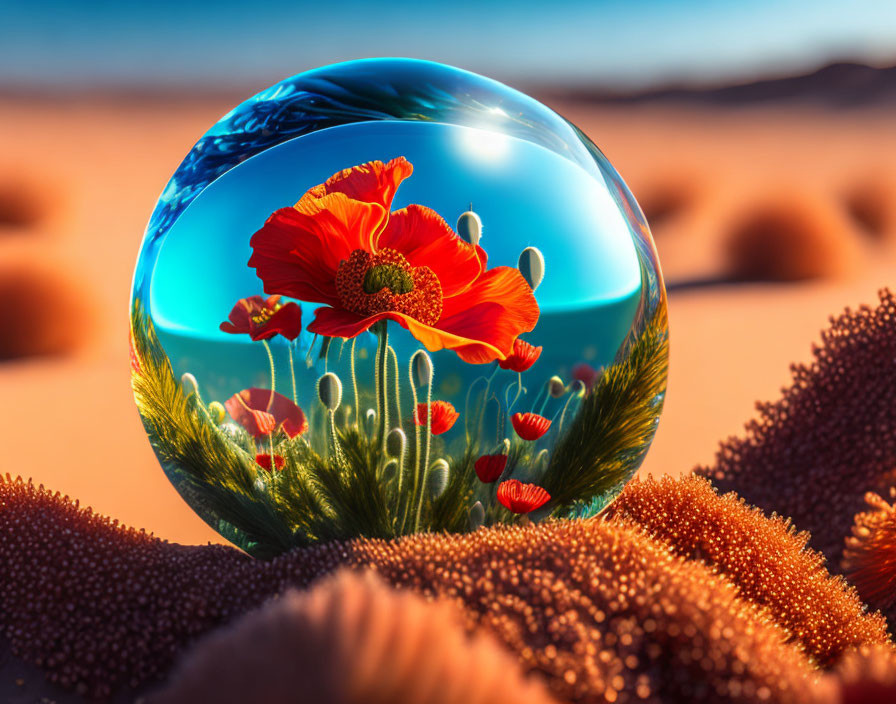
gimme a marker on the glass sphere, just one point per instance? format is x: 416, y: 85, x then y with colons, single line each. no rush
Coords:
x: 389, y: 296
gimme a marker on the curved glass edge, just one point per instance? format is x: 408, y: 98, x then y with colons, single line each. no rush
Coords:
x: 358, y: 91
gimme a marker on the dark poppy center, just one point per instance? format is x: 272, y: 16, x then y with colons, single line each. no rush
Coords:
x: 395, y: 278
x: 369, y: 283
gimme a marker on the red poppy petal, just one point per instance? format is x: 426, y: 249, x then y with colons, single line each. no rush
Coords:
x: 264, y: 461
x: 287, y: 321
x: 373, y: 182
x: 496, y: 309
x: 287, y: 415
x: 338, y: 322
x: 530, y: 426
x: 524, y: 355
x: 519, y: 497
x: 489, y: 468
x: 298, y: 250
x: 444, y: 416
x: 425, y: 239
x: 238, y: 322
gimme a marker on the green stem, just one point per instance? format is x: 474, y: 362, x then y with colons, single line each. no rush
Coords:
x: 424, y: 469
x: 382, y: 379
x: 407, y: 504
x: 397, y: 384
x: 292, y: 373
x: 466, y: 405
x: 337, y: 450
x: 355, y: 386
x: 267, y: 349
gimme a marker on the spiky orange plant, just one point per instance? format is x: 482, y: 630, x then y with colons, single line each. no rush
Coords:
x: 350, y: 639
x: 765, y: 557
x: 866, y: 675
x: 870, y: 555
x: 813, y: 454
x: 600, y: 609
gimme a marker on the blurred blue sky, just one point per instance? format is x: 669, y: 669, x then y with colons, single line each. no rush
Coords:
x: 617, y: 43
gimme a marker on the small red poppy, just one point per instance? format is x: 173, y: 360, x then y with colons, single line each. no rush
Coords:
x: 135, y: 361
x: 530, y: 426
x: 443, y: 416
x: 523, y: 356
x: 261, y: 318
x: 519, y: 497
x: 264, y: 461
x: 585, y: 373
x: 250, y: 406
x: 489, y: 467
x: 264, y: 422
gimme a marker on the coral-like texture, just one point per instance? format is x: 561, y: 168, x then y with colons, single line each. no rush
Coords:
x: 600, y: 609
x: 350, y: 640
x: 866, y: 675
x: 813, y: 454
x: 870, y: 555
x: 766, y: 558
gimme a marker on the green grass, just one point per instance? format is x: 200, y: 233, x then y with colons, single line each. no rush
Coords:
x: 318, y: 497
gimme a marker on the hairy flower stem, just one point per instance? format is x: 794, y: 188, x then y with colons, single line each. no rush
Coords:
x: 292, y: 373
x: 520, y: 390
x: 337, y: 450
x: 407, y: 504
x: 424, y: 468
x: 355, y: 386
x: 488, y: 385
x: 467, y: 406
x: 397, y: 384
x: 563, y: 413
x: 267, y: 349
x: 382, y: 381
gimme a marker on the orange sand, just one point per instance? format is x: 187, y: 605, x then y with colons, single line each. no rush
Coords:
x: 79, y: 177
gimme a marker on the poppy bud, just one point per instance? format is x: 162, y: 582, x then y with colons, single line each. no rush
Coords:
x: 438, y: 478
x: 531, y: 266
x: 556, y: 387
x: 329, y: 388
x: 190, y: 386
x: 421, y: 365
x: 216, y: 412
x: 477, y: 515
x: 396, y: 442
x: 469, y: 227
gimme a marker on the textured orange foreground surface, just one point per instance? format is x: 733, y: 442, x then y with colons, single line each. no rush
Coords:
x: 802, y: 195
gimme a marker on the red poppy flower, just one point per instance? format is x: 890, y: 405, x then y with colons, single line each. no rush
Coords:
x: 519, y: 497
x: 340, y: 245
x: 523, y: 356
x: 264, y: 461
x: 530, y: 426
x: 261, y: 318
x: 443, y: 416
x: 132, y: 353
x: 490, y: 467
x: 250, y: 407
x: 585, y: 373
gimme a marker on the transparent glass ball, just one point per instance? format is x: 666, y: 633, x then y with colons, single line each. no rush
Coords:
x: 390, y: 296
